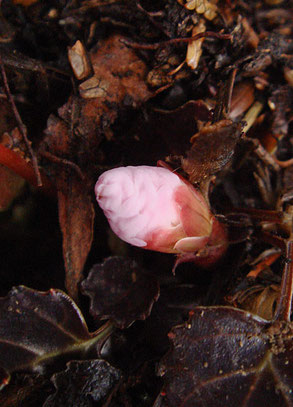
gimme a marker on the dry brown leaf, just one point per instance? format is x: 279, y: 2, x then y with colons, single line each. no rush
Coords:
x: 76, y: 217
x: 211, y: 150
x: 118, y: 74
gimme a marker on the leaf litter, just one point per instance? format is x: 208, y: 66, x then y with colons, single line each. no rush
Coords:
x: 88, y: 86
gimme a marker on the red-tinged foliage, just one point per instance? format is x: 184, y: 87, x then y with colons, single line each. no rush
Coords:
x: 11, y: 187
x: 38, y: 326
x: 24, y: 169
x: 133, y: 292
x: 224, y: 356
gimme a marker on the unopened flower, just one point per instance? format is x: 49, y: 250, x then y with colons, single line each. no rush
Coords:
x: 153, y: 208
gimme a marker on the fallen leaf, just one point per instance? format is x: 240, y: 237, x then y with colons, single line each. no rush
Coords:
x: 36, y: 327
x: 212, y: 148
x: 119, y: 73
x: 227, y: 357
x: 83, y: 383
x: 76, y: 218
x: 119, y: 290
x: 242, y: 99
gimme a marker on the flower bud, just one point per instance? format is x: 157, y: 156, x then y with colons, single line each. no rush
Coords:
x: 153, y: 208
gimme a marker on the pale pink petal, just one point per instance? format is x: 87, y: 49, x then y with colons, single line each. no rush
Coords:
x: 191, y: 244
x: 152, y: 207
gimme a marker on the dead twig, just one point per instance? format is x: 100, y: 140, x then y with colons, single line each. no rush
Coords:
x: 174, y: 41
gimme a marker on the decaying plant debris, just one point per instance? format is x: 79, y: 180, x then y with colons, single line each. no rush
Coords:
x: 204, y: 87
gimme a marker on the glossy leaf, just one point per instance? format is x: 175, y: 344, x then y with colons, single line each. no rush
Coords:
x: 38, y: 326
x: 120, y: 291
x: 227, y: 357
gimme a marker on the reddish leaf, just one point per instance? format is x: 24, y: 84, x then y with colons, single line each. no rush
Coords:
x: 120, y: 291
x: 82, y: 383
x: 76, y: 217
x: 17, y: 164
x: 227, y: 357
x: 11, y: 187
x: 37, y: 326
x: 212, y: 148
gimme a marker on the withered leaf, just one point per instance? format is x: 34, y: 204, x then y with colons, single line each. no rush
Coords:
x: 263, y: 303
x: 118, y: 74
x: 36, y: 327
x: 83, y: 383
x: 119, y: 290
x: 227, y: 357
x: 76, y: 217
x: 212, y: 148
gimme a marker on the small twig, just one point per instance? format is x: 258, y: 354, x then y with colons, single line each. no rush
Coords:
x: 174, y: 41
x: 21, y: 126
x: 159, y: 13
x: 283, y: 310
x: 251, y: 115
x: 264, y: 155
x: 151, y: 15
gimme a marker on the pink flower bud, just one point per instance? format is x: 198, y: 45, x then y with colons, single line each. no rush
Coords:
x: 153, y: 208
